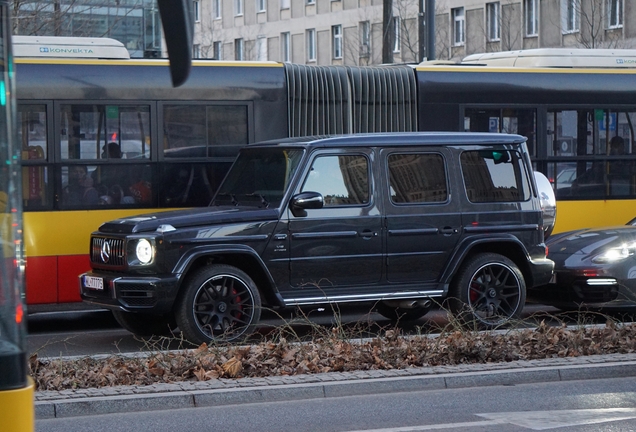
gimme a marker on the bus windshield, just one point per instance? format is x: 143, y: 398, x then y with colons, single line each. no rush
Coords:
x: 259, y: 177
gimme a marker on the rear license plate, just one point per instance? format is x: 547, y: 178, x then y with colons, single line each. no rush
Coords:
x: 94, y: 282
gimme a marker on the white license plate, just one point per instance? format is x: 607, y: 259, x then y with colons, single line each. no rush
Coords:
x: 94, y: 282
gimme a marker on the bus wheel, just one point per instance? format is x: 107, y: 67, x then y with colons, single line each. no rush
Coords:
x: 145, y: 325
x: 488, y: 291
x: 219, y: 303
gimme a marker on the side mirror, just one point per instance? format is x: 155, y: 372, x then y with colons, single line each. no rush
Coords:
x: 306, y: 201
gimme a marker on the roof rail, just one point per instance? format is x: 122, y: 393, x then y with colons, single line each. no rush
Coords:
x: 68, y: 47
x: 557, y: 57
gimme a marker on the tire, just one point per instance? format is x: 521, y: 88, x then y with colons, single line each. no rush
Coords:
x: 401, y: 314
x: 219, y: 303
x: 488, y: 291
x: 145, y: 325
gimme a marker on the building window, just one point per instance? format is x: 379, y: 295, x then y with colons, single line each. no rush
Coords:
x: 311, y: 45
x: 261, y: 48
x: 217, y: 50
x: 238, y: 7
x: 261, y: 5
x: 397, y: 39
x: 238, y: 49
x: 285, y: 47
x: 310, y: 2
x: 459, y: 35
x: 492, y: 20
x: 196, y: 51
x: 531, y: 22
x: 196, y: 10
x: 614, y: 13
x: 336, y: 33
x: 284, y: 4
x: 570, y: 15
x: 365, y: 39
x: 216, y: 9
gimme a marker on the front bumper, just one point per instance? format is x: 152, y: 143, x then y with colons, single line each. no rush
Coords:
x: 129, y: 293
x: 541, y: 270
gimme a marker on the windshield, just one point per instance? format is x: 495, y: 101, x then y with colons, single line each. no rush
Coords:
x: 259, y: 177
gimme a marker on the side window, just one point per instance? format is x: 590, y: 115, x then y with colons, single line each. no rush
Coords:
x: 494, y: 176
x: 342, y: 180
x: 33, y: 142
x: 417, y: 178
x: 104, y: 132
x: 204, y: 130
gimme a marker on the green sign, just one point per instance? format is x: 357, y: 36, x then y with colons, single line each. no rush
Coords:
x: 112, y: 112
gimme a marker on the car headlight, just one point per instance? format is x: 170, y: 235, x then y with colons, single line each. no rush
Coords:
x: 615, y: 254
x: 144, y: 251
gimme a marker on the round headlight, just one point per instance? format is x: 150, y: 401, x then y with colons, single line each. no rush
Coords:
x: 144, y: 251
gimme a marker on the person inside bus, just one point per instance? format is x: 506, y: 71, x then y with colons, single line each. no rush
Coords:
x: 110, y: 178
x: 79, y: 190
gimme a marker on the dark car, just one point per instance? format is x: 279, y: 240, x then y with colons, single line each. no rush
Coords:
x: 595, y: 269
x: 400, y: 220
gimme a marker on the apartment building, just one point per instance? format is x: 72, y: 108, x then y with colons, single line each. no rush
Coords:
x: 350, y: 32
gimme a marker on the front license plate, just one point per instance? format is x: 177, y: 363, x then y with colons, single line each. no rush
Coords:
x: 94, y: 282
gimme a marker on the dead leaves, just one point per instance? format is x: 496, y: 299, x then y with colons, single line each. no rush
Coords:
x: 332, y: 352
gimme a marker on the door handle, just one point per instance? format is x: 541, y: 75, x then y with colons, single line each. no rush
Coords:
x: 367, y: 234
x: 448, y: 230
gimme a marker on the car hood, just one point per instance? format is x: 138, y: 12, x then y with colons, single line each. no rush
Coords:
x: 590, y: 241
x: 188, y: 218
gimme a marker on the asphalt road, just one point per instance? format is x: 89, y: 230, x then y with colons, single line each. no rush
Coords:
x: 581, y: 406
x: 91, y: 332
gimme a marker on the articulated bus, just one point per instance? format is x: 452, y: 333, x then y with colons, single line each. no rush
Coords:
x: 108, y: 136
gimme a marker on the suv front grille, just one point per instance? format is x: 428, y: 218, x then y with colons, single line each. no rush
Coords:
x: 108, y: 251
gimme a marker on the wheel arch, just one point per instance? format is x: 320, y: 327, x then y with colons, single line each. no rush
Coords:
x: 508, y: 246
x: 241, y: 257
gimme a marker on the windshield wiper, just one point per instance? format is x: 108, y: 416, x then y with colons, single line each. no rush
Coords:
x: 231, y: 197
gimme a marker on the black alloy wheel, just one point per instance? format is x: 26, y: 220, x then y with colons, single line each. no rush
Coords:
x: 488, y: 292
x: 219, y: 303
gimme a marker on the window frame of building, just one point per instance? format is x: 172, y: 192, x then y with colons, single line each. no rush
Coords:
x: 239, y: 49
x: 238, y: 7
x: 615, y: 11
x: 530, y: 17
x: 336, y: 41
x: 285, y: 4
x: 397, y: 34
x: 216, y: 9
x: 217, y: 50
x: 570, y: 16
x: 261, y: 6
x: 196, y: 10
x: 261, y: 48
x: 310, y: 35
x: 493, y: 21
x: 365, y: 38
x: 459, y: 26
x: 285, y: 48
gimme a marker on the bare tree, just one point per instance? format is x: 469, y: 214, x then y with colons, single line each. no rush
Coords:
x: 69, y: 17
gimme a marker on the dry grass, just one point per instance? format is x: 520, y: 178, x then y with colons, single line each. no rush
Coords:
x: 331, y: 349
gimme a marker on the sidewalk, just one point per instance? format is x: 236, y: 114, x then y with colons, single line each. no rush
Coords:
x: 189, y: 394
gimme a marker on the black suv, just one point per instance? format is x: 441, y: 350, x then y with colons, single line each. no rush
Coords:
x: 401, y: 220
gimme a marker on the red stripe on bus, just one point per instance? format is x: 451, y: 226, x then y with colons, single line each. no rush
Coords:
x: 69, y: 267
x: 41, y: 280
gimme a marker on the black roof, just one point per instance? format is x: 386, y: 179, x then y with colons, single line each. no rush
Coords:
x: 397, y: 139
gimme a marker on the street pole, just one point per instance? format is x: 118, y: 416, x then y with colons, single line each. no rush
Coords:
x: 387, y: 31
x: 430, y: 29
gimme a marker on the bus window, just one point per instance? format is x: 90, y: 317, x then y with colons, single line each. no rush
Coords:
x: 87, y: 130
x: 190, y: 184
x: 506, y: 120
x: 31, y: 132
x: 204, y: 130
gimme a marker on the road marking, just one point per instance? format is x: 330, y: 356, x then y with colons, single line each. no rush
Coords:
x: 535, y: 420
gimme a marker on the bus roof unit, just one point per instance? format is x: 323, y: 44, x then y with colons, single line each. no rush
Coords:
x: 557, y: 57
x: 69, y: 47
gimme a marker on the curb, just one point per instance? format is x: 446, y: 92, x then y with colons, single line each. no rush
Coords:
x: 73, y: 403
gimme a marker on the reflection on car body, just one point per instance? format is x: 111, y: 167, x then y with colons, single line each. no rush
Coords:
x: 595, y: 269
